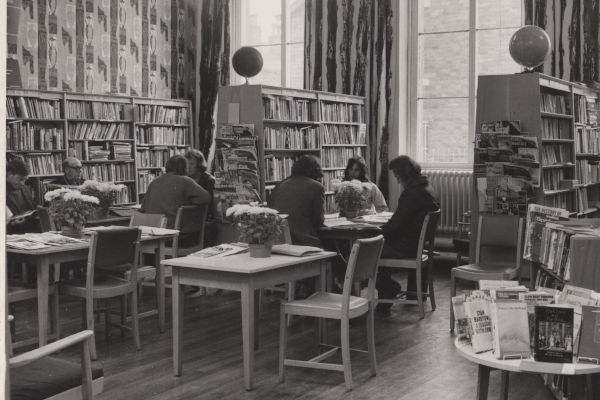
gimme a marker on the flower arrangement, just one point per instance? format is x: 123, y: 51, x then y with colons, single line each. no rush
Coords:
x: 351, y: 196
x: 104, y: 191
x: 257, y: 224
x: 70, y: 208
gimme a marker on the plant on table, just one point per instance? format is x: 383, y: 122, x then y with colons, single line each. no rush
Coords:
x: 257, y: 225
x: 104, y: 191
x: 351, y: 197
x: 70, y: 208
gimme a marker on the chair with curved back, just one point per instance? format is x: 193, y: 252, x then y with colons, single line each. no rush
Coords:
x: 189, y: 221
x: 497, y: 252
x: 424, y: 259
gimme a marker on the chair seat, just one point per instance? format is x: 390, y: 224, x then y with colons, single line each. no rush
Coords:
x: 104, y: 286
x: 47, y: 377
x: 327, y: 305
x: 146, y: 272
x: 494, y: 272
x: 409, y: 263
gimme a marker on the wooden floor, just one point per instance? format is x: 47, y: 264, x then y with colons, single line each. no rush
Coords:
x: 415, y: 358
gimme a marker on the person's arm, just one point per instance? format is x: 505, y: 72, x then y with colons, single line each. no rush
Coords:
x: 318, y: 207
x: 407, y: 206
x: 195, y: 194
x: 378, y: 199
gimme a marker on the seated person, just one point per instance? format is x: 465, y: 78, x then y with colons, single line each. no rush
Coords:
x: 357, y: 169
x: 72, y: 173
x: 172, y: 190
x: 402, y: 231
x: 196, y: 169
x: 302, y: 197
x: 19, y: 199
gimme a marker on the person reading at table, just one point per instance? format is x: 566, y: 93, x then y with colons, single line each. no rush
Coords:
x: 19, y: 199
x: 357, y: 169
x: 172, y: 190
x: 71, y: 173
x: 402, y: 231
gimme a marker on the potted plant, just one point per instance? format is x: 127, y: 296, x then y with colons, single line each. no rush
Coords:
x: 259, y: 227
x: 70, y: 209
x: 350, y: 198
x: 104, y: 191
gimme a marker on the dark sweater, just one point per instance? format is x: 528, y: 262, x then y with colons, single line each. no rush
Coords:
x: 402, y: 231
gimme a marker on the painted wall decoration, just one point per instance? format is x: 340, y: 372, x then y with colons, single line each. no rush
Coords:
x: 140, y: 48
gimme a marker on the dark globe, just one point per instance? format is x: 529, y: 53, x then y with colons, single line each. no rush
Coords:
x: 247, y: 62
x: 529, y: 46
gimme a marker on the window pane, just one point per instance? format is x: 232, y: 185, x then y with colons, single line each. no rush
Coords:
x: 443, y: 15
x: 498, y: 13
x: 271, y: 71
x: 295, y: 65
x: 443, y: 65
x: 261, y: 22
x: 442, y: 133
x: 492, y: 52
x: 295, y: 25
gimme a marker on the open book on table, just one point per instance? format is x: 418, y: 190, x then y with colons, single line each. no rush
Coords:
x: 221, y: 250
x: 295, y: 250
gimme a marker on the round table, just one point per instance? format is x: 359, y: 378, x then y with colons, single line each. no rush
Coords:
x: 487, y: 362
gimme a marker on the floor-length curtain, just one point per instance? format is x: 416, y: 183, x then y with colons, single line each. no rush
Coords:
x: 213, y: 65
x: 573, y: 27
x: 350, y: 49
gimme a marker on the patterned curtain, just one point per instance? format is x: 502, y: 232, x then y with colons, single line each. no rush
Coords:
x: 573, y: 26
x: 213, y: 70
x: 349, y: 46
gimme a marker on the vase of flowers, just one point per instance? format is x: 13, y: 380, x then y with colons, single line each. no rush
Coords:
x: 350, y: 198
x: 258, y: 226
x: 70, y: 209
x: 105, y: 192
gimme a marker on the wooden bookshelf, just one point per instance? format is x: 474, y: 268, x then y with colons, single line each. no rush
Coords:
x: 292, y: 122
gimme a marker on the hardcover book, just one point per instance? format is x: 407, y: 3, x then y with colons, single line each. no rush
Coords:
x: 510, y: 330
x: 553, y: 334
x: 532, y: 299
x: 589, y: 342
x: 461, y: 319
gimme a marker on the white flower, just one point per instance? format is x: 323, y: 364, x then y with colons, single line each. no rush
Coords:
x: 70, y: 194
x: 101, y: 186
x: 53, y: 194
x: 241, y: 209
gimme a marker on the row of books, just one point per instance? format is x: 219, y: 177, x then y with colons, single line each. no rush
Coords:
x: 124, y: 196
x: 97, y: 153
x: 341, y: 134
x: 556, y: 153
x: 583, y: 203
x: 554, y: 103
x: 291, y: 137
x: 586, y: 110
x: 552, y: 178
x: 44, y: 164
x: 587, y: 172
x: 565, y: 201
x: 341, y: 112
x: 556, y: 129
x: 152, y: 113
x: 121, y: 151
x: 588, y: 140
x: 156, y: 157
x: 144, y: 179
x: 108, y: 172
x: 330, y: 205
x: 554, y: 250
x: 98, y: 130
x: 164, y: 135
x: 30, y: 107
x: 115, y: 151
x: 289, y: 108
x: 329, y: 176
x: 96, y: 110
x: 338, y: 157
x: 278, y: 168
x: 27, y: 136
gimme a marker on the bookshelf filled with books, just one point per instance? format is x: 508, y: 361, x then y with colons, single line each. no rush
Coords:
x: 120, y: 139
x: 289, y: 123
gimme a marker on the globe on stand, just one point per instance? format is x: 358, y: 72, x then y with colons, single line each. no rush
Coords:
x: 529, y: 46
x: 247, y: 62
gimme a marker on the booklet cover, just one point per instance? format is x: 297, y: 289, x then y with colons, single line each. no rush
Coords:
x: 532, y: 299
x: 510, y: 330
x: 461, y: 319
x: 295, y: 250
x: 221, y: 250
x: 553, y: 334
x: 478, y: 313
x: 589, y: 342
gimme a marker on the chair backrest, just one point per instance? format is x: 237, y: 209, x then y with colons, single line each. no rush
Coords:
x: 427, y: 236
x: 362, y: 265
x: 46, y: 221
x: 146, y: 219
x: 285, y: 236
x: 190, y: 221
x: 114, y: 248
x: 499, y: 241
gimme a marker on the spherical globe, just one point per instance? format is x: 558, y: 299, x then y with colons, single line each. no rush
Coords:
x: 529, y: 46
x: 247, y: 61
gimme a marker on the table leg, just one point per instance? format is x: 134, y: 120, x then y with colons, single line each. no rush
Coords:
x: 257, y: 295
x: 160, y: 284
x: 483, y: 380
x: 177, y: 301
x: 43, y: 273
x: 248, y: 334
x: 504, y: 389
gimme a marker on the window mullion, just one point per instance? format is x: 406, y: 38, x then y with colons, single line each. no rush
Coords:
x: 284, y: 18
x: 472, y: 75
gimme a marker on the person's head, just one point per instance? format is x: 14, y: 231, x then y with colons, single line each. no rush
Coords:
x: 307, y: 166
x: 356, y: 169
x: 16, y: 172
x: 405, y: 169
x: 72, y: 169
x: 177, y: 165
x: 195, y: 161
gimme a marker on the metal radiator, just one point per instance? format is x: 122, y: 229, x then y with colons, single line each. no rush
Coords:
x: 453, y: 188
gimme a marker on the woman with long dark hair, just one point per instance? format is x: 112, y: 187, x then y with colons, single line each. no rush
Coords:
x: 357, y: 169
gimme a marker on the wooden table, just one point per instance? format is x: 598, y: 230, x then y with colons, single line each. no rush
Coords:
x: 241, y: 273
x: 43, y: 258
x: 349, y: 234
x: 487, y: 362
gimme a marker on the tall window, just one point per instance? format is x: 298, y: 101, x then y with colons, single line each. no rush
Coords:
x: 276, y: 29
x: 452, y: 42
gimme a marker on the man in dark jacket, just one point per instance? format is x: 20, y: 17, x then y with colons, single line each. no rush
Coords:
x: 72, y: 173
x: 19, y: 199
x: 402, y: 231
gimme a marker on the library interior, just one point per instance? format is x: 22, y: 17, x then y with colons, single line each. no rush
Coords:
x: 404, y: 195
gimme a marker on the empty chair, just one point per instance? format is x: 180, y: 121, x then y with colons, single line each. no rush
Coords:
x: 362, y: 265
x: 146, y: 219
x: 189, y: 221
x: 46, y: 221
x: 498, y: 249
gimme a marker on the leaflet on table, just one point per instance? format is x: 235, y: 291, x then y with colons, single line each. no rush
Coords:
x: 537, y: 216
x: 221, y: 250
x: 52, y: 239
x: 295, y: 250
x: 19, y: 242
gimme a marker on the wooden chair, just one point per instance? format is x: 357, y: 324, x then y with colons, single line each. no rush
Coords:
x: 46, y: 221
x: 35, y: 375
x: 497, y: 252
x: 424, y: 259
x: 362, y: 265
x: 110, y: 251
x: 189, y: 221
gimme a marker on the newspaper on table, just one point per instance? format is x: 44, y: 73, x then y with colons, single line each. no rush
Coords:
x: 537, y: 216
x: 221, y: 250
